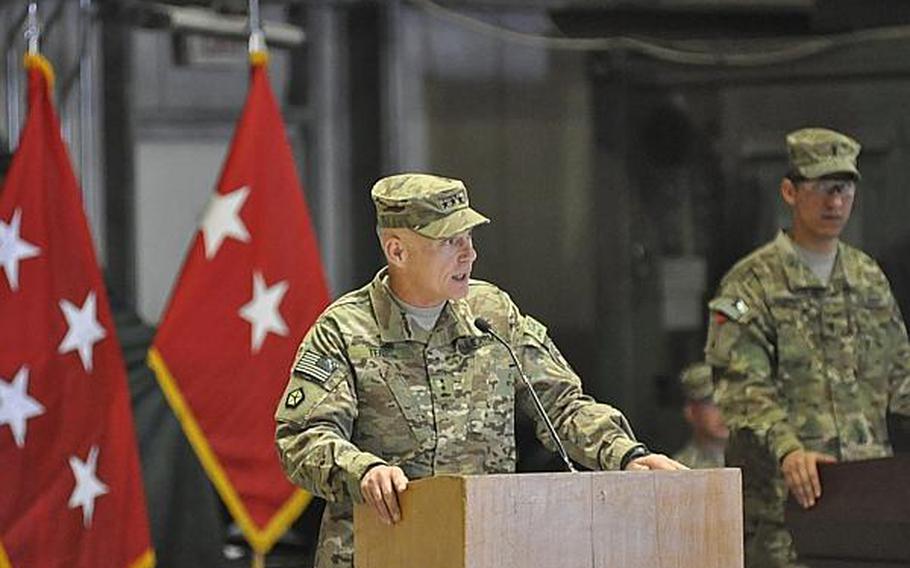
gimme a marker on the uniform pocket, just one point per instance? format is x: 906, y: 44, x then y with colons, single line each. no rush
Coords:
x: 388, y: 422
x: 876, y: 331
x: 796, y: 323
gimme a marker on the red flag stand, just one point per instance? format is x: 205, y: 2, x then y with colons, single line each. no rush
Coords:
x: 72, y: 485
x: 251, y: 286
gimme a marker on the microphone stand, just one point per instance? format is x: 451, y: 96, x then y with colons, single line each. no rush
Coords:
x: 484, y: 326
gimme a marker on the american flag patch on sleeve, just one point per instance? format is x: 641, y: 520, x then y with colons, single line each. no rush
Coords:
x: 315, y: 367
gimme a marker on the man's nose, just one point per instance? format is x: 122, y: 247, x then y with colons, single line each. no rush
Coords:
x: 837, y: 198
x: 468, y: 254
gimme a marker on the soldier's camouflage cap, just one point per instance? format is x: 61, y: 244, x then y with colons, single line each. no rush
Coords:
x: 697, y: 382
x: 433, y: 206
x: 817, y: 152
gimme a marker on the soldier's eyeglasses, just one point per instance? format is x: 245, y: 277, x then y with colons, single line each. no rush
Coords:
x: 831, y: 187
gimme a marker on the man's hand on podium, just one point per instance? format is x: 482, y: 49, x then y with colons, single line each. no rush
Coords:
x: 654, y: 461
x: 800, y: 470
x: 380, y: 487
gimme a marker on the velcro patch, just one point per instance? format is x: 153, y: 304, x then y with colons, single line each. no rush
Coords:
x: 315, y: 367
x: 733, y: 308
x: 535, y: 329
x: 295, y: 397
x: 466, y: 345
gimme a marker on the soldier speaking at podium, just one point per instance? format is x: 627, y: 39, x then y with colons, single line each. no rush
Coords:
x: 808, y: 347
x: 396, y: 381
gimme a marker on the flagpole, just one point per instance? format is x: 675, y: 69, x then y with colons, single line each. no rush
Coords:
x: 32, y: 30
x: 29, y: 18
x: 257, y: 37
x: 12, y: 79
x: 258, y: 52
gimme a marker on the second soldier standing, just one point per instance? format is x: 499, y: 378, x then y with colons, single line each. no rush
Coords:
x: 808, y: 347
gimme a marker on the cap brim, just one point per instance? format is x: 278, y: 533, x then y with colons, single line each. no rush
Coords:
x: 450, y: 225
x: 830, y: 167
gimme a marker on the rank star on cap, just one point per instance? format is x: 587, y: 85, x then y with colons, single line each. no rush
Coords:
x: 13, y: 249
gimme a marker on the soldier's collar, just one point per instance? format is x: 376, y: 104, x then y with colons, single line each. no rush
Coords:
x: 393, y: 325
x: 463, y: 321
x: 799, y: 276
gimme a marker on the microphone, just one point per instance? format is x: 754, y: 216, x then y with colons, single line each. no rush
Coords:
x: 484, y: 326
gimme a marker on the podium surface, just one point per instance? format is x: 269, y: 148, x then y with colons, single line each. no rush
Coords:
x: 684, y: 519
x: 862, y: 519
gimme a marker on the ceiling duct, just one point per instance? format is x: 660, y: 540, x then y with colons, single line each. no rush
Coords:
x: 203, y: 21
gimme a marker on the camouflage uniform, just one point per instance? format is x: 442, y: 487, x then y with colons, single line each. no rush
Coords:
x: 801, y: 365
x: 804, y: 365
x: 367, y: 388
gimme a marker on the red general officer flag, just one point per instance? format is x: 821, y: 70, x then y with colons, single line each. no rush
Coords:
x: 251, y: 286
x: 71, y: 491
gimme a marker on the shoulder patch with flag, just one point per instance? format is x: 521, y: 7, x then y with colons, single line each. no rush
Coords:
x: 315, y: 367
x: 725, y: 307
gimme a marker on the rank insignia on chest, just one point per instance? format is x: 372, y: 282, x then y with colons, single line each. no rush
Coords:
x: 295, y: 397
x: 314, y: 367
x: 466, y: 345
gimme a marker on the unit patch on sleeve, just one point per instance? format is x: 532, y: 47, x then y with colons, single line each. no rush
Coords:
x: 295, y: 397
x: 315, y: 367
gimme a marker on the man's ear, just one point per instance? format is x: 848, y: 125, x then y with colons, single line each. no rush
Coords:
x: 788, y: 191
x: 395, y: 250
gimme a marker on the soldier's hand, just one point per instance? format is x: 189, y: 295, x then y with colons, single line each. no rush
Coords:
x: 654, y: 461
x: 800, y: 470
x: 380, y: 487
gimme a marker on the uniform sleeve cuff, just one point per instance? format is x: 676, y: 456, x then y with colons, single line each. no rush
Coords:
x: 633, y: 454
x: 359, y: 466
x: 612, y: 456
x: 782, y: 441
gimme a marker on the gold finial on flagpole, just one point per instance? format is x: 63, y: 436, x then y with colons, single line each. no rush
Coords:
x: 259, y: 53
x: 33, y: 57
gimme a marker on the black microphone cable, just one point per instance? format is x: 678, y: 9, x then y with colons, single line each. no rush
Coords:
x: 484, y: 326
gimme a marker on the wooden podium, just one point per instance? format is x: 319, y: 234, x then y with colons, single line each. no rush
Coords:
x: 686, y: 519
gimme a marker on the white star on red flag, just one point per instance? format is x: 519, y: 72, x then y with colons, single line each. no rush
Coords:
x: 13, y: 249
x: 222, y: 220
x: 262, y: 311
x: 84, y: 329
x: 16, y: 406
x: 88, y: 486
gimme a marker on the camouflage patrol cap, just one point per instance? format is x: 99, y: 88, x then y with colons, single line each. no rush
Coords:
x: 696, y: 381
x: 817, y: 152
x: 433, y: 206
